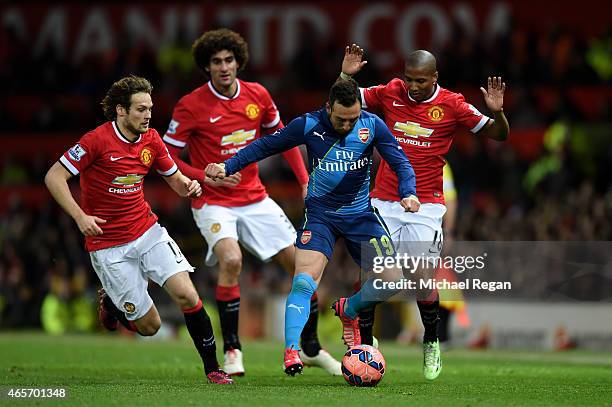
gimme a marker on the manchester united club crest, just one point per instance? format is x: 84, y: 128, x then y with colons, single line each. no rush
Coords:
x: 435, y: 113
x: 252, y: 111
x: 146, y: 156
x: 364, y: 134
x: 306, y: 235
x: 129, y: 307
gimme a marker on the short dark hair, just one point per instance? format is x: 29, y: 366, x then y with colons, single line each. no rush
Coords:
x: 346, y: 92
x: 120, y: 93
x: 214, y: 41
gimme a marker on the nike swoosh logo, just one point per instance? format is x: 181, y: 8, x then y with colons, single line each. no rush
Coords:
x: 215, y: 119
x: 116, y: 158
x: 296, y: 307
x: 397, y: 104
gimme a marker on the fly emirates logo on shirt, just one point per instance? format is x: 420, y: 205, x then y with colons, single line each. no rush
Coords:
x: 414, y: 131
x: 237, y: 138
x: 344, y: 162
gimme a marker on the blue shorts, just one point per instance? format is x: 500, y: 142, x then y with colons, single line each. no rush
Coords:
x: 365, y: 235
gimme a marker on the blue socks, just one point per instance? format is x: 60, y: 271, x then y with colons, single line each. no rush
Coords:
x: 297, y: 308
x: 367, y: 297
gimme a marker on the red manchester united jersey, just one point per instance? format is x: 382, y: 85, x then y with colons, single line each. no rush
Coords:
x: 215, y: 127
x: 424, y: 130
x: 112, y: 169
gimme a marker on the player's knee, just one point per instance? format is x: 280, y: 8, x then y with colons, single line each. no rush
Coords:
x: 304, y: 283
x: 150, y: 327
x: 187, y: 298
x: 231, y: 264
x: 148, y: 330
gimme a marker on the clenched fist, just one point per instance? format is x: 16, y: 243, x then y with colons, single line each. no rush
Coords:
x: 410, y: 204
x: 215, y: 171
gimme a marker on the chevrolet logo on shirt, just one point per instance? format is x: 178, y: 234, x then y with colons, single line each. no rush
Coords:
x: 128, y: 180
x: 238, y: 137
x: 412, y: 129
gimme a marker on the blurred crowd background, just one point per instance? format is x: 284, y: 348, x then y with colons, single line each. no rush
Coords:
x: 550, y: 181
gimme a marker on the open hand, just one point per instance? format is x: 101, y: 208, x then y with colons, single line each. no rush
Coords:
x: 352, y: 62
x: 494, y: 94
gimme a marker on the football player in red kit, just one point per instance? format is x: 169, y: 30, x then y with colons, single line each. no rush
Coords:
x: 126, y: 244
x: 423, y: 117
x: 214, y: 122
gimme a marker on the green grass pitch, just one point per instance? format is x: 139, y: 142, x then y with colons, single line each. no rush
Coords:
x: 114, y: 370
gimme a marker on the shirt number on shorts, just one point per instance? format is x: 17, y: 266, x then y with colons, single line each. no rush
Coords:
x: 386, y: 244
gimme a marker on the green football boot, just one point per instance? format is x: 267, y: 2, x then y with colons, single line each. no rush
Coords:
x: 432, y: 362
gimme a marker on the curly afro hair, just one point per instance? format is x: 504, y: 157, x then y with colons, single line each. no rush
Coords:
x: 214, y: 41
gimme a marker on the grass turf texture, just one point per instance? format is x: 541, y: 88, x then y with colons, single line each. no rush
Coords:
x: 114, y: 370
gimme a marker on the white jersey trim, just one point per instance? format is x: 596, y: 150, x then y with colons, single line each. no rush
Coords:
x: 170, y: 172
x: 220, y: 96
x: 364, y: 105
x: 68, y: 165
x: 174, y: 142
x: 122, y: 137
x: 273, y: 122
x: 480, y: 124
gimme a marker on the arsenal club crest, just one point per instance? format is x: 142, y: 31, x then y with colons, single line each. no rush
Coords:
x: 306, y: 235
x: 364, y: 134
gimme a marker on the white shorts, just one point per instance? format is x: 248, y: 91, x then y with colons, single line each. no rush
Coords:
x: 125, y: 270
x: 414, y: 233
x: 262, y: 228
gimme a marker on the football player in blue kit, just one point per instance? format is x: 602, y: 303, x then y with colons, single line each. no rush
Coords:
x: 340, y: 141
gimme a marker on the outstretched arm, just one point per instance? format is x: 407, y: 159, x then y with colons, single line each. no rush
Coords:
x: 499, y: 128
x: 198, y: 174
x: 293, y: 156
x: 56, y: 181
x: 371, y: 98
x: 281, y: 140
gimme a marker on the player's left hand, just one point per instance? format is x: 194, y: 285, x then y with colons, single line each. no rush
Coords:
x: 193, y: 187
x: 410, y: 204
x: 494, y: 94
x: 352, y: 62
x: 215, y: 171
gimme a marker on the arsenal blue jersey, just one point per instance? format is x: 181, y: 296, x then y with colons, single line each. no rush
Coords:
x: 339, y: 166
